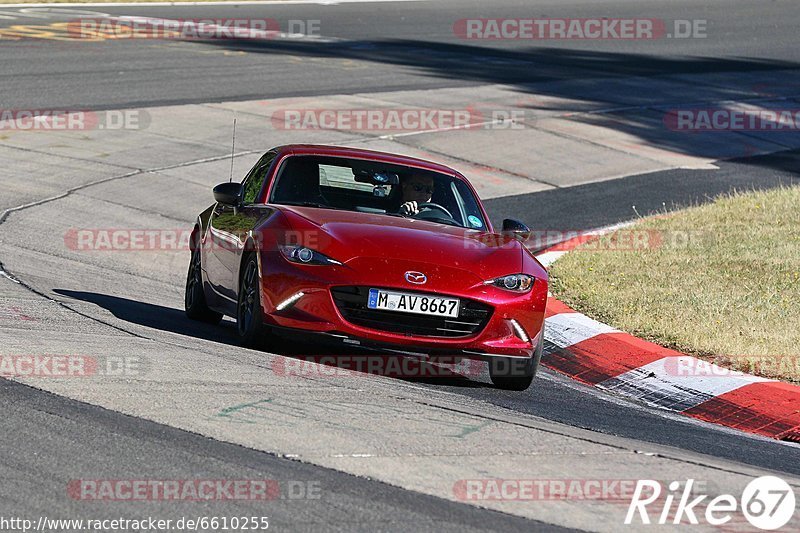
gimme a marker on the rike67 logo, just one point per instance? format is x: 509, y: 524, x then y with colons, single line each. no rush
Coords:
x: 767, y: 502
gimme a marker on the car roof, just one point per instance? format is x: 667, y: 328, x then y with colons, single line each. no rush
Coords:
x: 360, y: 153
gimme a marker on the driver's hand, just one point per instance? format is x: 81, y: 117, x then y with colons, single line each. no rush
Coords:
x: 409, y: 208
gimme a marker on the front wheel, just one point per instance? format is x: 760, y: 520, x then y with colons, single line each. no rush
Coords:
x: 249, y: 316
x: 513, y: 373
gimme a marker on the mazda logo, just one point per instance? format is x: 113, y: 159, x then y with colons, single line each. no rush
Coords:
x: 418, y: 278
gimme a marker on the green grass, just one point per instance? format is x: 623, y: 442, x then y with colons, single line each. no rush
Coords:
x: 722, y: 281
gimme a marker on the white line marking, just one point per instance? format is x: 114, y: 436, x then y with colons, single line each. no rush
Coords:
x: 9, y: 276
x: 566, y: 329
x: 390, y: 136
x: 548, y: 258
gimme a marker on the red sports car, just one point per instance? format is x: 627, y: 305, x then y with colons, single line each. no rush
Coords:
x: 369, y: 249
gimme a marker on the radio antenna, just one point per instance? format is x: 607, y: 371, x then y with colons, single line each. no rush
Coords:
x: 233, y: 147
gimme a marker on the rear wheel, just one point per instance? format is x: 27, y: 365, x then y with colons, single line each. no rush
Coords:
x: 249, y: 316
x: 195, y: 298
x: 513, y: 373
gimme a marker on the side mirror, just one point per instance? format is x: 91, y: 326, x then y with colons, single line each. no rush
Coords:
x: 228, y: 193
x: 516, y: 227
x: 363, y: 175
x: 510, y: 224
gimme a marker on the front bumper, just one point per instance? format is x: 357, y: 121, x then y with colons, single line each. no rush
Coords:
x: 316, y: 310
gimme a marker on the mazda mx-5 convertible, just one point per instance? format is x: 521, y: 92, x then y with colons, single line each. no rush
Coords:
x: 372, y: 250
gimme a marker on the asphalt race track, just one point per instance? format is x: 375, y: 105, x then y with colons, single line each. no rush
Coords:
x: 353, y: 452
x: 372, y: 47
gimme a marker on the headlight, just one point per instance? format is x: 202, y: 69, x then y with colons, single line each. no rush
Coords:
x: 306, y: 256
x: 514, y: 282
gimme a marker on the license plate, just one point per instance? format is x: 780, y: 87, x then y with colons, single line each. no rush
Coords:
x: 405, y: 302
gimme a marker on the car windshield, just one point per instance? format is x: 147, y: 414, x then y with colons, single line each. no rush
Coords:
x: 379, y: 188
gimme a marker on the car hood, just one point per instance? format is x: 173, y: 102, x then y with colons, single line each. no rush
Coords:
x: 350, y: 237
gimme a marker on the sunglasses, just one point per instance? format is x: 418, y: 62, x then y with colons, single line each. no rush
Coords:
x: 418, y: 187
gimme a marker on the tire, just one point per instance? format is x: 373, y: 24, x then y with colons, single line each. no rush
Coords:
x: 195, y: 299
x: 512, y: 373
x: 253, y: 333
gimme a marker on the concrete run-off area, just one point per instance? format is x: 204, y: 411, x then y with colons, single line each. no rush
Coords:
x: 127, y: 307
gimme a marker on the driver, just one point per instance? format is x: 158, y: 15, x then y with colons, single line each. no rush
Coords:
x: 416, y: 190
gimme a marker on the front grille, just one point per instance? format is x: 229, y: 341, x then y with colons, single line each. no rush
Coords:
x: 352, y: 303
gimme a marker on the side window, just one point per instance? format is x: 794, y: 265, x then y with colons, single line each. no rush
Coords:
x: 468, y: 206
x: 253, y: 182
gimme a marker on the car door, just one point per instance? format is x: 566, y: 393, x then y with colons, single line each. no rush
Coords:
x: 227, y: 233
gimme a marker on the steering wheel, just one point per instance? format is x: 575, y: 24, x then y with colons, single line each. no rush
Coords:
x: 431, y: 205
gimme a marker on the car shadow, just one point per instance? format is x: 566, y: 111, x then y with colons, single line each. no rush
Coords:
x: 345, y: 359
